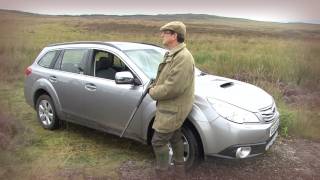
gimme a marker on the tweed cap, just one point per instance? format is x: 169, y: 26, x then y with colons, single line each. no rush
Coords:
x: 175, y: 26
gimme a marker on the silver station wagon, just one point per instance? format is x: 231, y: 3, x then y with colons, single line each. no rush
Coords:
x: 100, y: 84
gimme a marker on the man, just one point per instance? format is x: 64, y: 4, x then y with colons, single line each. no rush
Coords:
x: 173, y: 90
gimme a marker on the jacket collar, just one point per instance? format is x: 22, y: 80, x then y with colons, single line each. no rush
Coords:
x: 172, y: 52
x: 178, y: 48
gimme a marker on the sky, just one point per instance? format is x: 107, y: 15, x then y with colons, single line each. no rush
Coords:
x: 261, y: 10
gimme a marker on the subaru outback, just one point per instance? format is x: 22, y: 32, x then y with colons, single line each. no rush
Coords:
x: 99, y: 84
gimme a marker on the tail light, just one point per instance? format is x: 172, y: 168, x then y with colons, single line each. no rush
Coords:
x: 28, y: 71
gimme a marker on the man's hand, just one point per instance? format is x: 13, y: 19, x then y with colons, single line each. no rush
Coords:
x: 152, y: 84
x: 149, y: 88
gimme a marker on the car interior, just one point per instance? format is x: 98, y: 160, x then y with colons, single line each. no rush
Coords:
x: 104, y: 68
x: 106, y: 65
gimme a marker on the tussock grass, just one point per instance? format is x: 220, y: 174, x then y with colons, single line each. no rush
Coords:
x: 8, y: 130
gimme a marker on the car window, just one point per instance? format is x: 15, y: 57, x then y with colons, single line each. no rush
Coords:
x: 72, y: 60
x: 106, y: 65
x: 100, y: 54
x: 47, y: 59
x: 118, y: 64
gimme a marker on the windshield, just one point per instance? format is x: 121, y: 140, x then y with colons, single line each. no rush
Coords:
x: 147, y: 60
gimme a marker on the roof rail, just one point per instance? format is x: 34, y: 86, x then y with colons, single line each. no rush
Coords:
x: 84, y: 42
x: 149, y: 44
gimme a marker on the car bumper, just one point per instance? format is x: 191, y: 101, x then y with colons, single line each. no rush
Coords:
x: 256, y: 149
x: 223, y: 138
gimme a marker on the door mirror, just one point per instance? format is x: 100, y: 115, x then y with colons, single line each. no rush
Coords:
x: 124, y: 77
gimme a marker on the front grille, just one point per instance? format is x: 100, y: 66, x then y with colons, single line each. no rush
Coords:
x: 269, y: 113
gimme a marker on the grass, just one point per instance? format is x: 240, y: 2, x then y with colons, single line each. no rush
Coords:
x: 65, y: 150
x: 283, y: 59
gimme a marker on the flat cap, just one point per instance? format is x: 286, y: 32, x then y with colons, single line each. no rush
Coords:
x: 175, y: 26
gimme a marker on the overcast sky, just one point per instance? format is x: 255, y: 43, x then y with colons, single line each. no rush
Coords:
x: 264, y: 10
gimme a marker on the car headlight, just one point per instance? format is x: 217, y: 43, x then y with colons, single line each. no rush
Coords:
x: 233, y: 113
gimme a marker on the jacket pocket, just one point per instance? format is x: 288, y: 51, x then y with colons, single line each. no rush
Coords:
x: 169, y: 109
x: 166, y: 118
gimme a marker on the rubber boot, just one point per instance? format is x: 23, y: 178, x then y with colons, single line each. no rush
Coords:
x: 162, y: 157
x: 162, y: 162
x: 178, y: 150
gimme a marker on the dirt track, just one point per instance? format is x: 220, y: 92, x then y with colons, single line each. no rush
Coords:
x: 287, y: 159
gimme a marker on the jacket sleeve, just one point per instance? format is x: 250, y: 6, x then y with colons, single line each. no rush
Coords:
x: 177, y: 81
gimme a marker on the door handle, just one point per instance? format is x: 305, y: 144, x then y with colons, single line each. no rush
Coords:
x: 90, y: 87
x: 53, y: 79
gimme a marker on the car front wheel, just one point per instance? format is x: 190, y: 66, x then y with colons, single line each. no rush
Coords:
x: 192, y: 150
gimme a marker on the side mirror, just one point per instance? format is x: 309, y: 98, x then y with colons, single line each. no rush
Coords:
x: 124, y: 77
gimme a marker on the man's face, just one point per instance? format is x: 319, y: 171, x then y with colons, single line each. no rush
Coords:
x: 168, y: 37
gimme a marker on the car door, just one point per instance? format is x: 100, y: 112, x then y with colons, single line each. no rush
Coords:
x: 109, y: 104
x: 67, y: 80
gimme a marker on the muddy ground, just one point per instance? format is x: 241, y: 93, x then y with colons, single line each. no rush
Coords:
x: 291, y: 158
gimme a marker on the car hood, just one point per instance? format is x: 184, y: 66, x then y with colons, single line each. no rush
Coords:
x: 234, y: 92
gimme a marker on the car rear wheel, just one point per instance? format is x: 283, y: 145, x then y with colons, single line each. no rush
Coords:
x: 192, y: 150
x: 46, y: 112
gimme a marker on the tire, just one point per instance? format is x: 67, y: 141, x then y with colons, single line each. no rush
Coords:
x: 194, y: 156
x: 46, y: 112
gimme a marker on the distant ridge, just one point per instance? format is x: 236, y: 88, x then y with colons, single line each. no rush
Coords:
x: 183, y: 17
